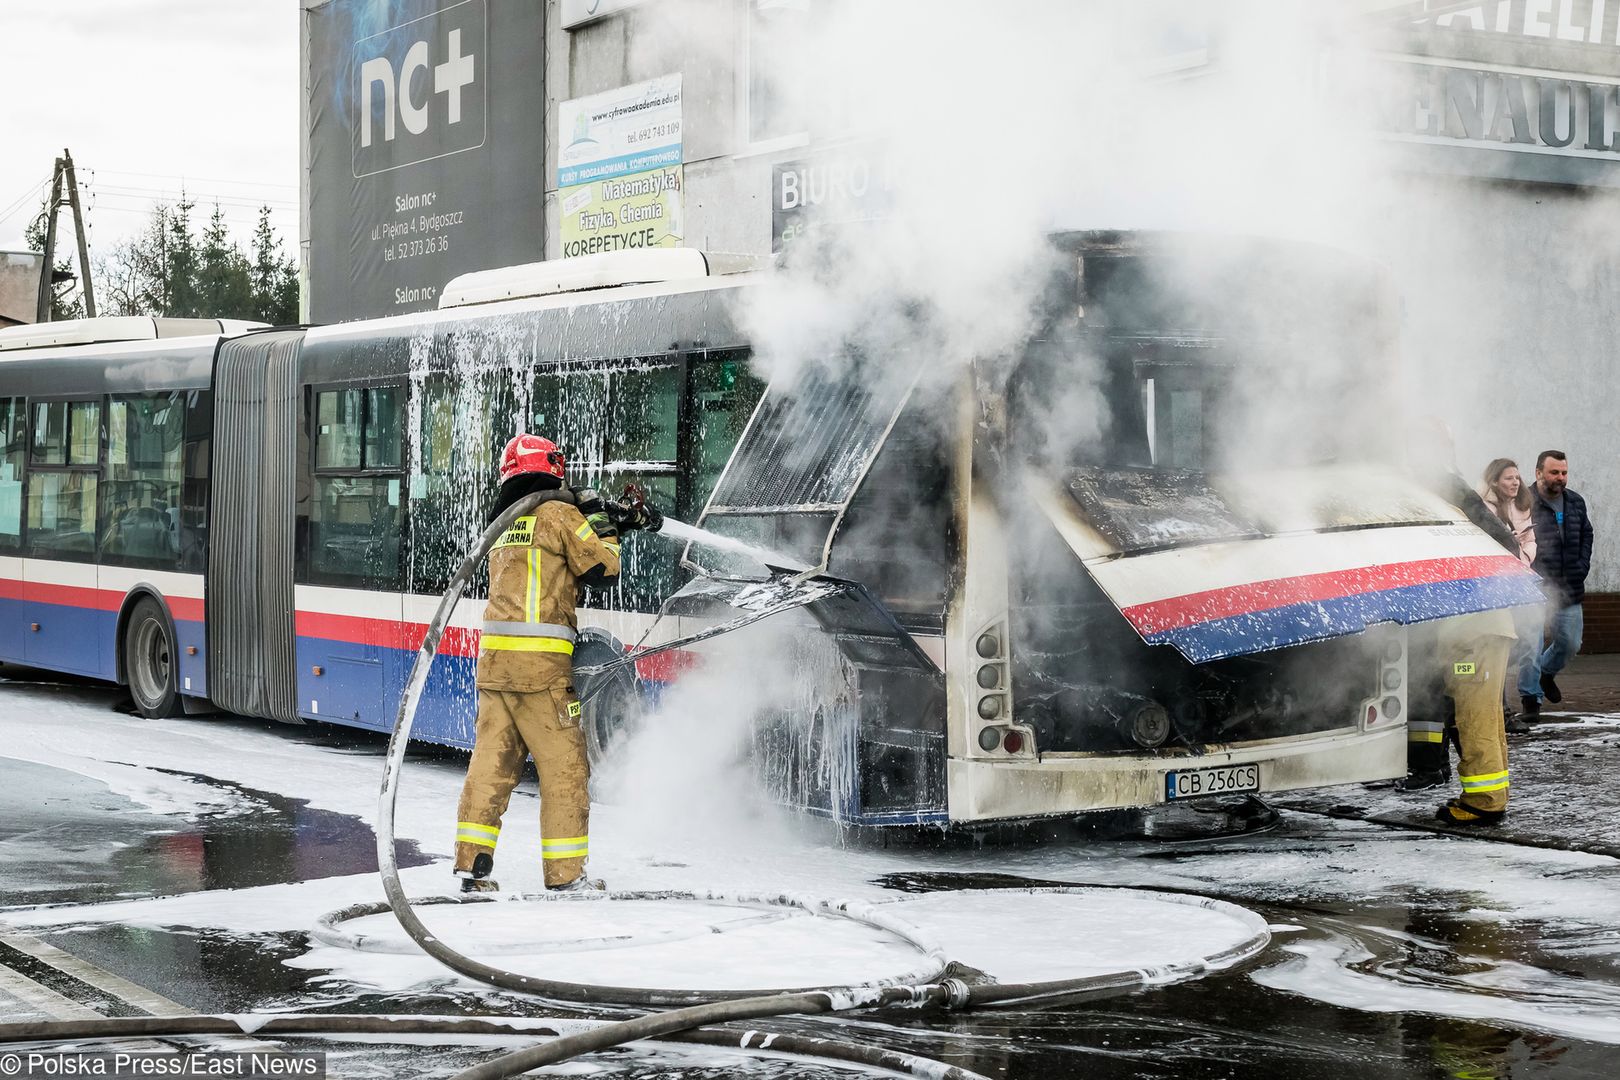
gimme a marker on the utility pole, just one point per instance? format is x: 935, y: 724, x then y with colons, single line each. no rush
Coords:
x: 84, y: 240
x: 63, y: 170
x: 47, y: 287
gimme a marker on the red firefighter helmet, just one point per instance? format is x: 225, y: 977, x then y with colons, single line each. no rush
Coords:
x: 528, y: 454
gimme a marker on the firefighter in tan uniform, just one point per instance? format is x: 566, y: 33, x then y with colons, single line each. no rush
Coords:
x: 526, y: 703
x: 1474, y: 654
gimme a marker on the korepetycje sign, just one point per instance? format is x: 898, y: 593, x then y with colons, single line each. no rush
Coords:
x: 619, y: 169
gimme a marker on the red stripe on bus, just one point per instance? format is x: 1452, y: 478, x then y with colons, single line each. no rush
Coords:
x: 184, y: 608
x: 384, y: 633
x: 1201, y: 607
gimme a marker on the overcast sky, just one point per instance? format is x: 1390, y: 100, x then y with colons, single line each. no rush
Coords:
x: 150, y: 95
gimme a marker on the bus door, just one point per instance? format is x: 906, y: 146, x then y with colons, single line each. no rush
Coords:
x: 351, y: 641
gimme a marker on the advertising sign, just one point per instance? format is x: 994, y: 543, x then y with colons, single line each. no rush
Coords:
x: 425, y: 148
x: 1536, y: 125
x: 619, y: 172
x: 840, y: 187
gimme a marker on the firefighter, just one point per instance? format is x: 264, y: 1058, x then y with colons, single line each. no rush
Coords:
x: 1474, y: 656
x: 526, y: 703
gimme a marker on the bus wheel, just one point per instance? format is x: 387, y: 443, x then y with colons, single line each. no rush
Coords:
x: 613, y: 703
x: 150, y: 661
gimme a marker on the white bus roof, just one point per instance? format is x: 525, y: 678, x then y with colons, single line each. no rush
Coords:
x: 604, y: 271
x: 115, y: 328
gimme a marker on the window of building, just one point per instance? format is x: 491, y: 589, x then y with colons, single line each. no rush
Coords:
x: 140, y: 495
x: 773, y: 82
x: 356, y: 518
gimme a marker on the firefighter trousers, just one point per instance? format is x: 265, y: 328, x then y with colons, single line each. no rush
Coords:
x: 511, y: 727
x: 1474, y: 673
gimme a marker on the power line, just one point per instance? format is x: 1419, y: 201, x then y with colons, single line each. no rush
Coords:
x: 21, y: 201
x: 194, y: 196
x: 204, y: 179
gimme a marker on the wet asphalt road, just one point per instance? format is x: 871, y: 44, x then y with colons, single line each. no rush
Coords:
x: 1227, y: 1025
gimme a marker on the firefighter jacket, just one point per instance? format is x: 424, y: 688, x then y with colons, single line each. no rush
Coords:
x: 534, y: 577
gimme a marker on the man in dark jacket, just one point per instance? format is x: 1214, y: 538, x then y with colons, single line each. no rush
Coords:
x: 1563, y: 557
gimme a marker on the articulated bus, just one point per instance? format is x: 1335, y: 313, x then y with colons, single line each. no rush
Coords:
x: 1040, y: 583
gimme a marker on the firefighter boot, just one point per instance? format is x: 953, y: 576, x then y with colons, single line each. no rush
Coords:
x: 477, y: 879
x: 1456, y: 812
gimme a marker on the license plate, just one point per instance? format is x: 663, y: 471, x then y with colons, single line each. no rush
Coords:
x: 1191, y: 783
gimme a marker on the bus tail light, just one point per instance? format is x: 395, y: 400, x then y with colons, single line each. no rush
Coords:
x: 1012, y: 742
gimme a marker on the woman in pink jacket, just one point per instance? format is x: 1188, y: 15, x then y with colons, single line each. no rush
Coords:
x: 1509, y: 498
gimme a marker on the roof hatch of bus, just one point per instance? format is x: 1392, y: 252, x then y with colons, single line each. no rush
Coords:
x: 603, y: 271
x: 115, y: 328
x: 1226, y: 566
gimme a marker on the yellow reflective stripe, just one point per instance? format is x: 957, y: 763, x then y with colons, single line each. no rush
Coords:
x: 531, y: 599
x: 1495, y: 781
x: 585, y: 532
x: 568, y: 847
x: 470, y: 832
x: 1425, y: 736
x: 508, y: 643
x: 1503, y: 775
x: 611, y: 546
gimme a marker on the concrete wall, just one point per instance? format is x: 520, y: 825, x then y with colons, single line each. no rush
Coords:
x: 19, y: 285
x: 1512, y: 295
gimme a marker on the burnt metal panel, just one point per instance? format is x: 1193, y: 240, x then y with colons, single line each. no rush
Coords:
x: 809, y: 444
x: 1140, y: 510
x: 251, y: 663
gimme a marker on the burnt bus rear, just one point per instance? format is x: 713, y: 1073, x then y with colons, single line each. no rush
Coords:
x: 1137, y: 560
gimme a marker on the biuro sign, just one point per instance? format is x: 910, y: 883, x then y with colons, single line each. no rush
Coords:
x: 419, y: 89
x: 1505, y: 110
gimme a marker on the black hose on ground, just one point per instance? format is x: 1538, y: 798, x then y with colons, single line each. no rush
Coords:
x: 57, y: 1032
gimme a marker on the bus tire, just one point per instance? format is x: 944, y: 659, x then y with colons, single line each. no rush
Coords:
x: 613, y: 707
x: 151, y: 660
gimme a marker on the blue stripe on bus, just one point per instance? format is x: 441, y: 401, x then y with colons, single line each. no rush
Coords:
x: 1296, y: 624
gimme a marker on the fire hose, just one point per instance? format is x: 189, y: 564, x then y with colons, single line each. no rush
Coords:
x: 938, y: 983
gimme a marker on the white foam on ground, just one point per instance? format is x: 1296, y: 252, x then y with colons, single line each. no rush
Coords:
x: 1343, y: 864
x: 1506, y: 993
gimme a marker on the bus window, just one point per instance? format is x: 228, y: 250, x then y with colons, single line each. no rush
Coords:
x: 356, y: 518
x: 645, y: 415
x: 721, y: 397
x: 194, y: 495
x: 571, y: 409
x: 61, y: 513
x: 61, y: 490
x: 339, y: 420
x: 140, y: 496
x: 621, y: 425
x: 446, y: 490
x: 382, y: 428
x: 13, y: 432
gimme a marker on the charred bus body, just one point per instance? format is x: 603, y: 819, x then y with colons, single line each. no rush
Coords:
x: 1157, y: 553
